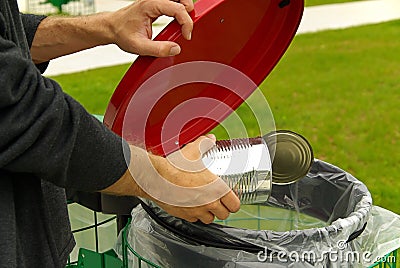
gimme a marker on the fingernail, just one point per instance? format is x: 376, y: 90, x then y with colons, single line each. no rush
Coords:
x: 189, y: 36
x: 175, y: 50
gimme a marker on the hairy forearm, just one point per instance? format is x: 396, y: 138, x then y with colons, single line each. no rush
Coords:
x: 59, y: 36
x: 144, y: 168
x: 127, y: 184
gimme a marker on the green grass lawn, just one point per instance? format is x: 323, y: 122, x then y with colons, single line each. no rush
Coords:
x: 325, y: 2
x: 340, y: 89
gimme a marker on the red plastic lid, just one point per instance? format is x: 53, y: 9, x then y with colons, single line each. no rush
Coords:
x: 167, y: 102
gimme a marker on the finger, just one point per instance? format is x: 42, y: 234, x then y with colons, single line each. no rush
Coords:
x: 187, y: 3
x: 220, y: 211
x: 204, y: 143
x: 211, y: 136
x: 178, y: 11
x: 207, y: 217
x: 189, y: 158
x: 191, y: 219
x: 198, y: 147
x: 157, y: 48
x: 231, y: 202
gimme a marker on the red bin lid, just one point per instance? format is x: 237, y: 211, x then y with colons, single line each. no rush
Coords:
x: 164, y: 103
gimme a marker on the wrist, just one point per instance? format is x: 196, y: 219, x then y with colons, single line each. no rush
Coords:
x: 102, y: 25
x: 126, y: 185
x: 144, y: 171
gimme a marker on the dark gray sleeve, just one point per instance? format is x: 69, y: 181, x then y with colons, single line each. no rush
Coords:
x: 46, y: 133
x: 31, y: 23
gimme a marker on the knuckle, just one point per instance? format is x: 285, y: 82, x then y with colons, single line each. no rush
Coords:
x: 159, y: 50
x: 141, y: 3
x: 212, y: 206
x: 180, y: 7
x: 180, y: 13
x: 147, y: 5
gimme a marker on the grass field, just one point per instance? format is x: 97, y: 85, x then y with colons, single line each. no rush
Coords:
x: 325, y: 2
x: 340, y: 89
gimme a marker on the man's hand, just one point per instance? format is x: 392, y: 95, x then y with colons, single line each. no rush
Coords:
x: 185, y: 168
x: 182, y: 169
x: 129, y: 28
x: 132, y: 26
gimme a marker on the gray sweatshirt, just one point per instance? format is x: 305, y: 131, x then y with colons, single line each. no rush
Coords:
x: 48, y: 143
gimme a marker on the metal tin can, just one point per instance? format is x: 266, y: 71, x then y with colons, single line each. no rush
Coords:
x: 245, y: 166
x: 292, y: 156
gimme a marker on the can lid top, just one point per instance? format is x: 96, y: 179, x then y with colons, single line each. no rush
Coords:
x: 292, y: 156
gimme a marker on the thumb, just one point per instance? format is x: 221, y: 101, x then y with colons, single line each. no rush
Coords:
x: 205, y: 143
x: 189, y: 158
x: 147, y: 47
